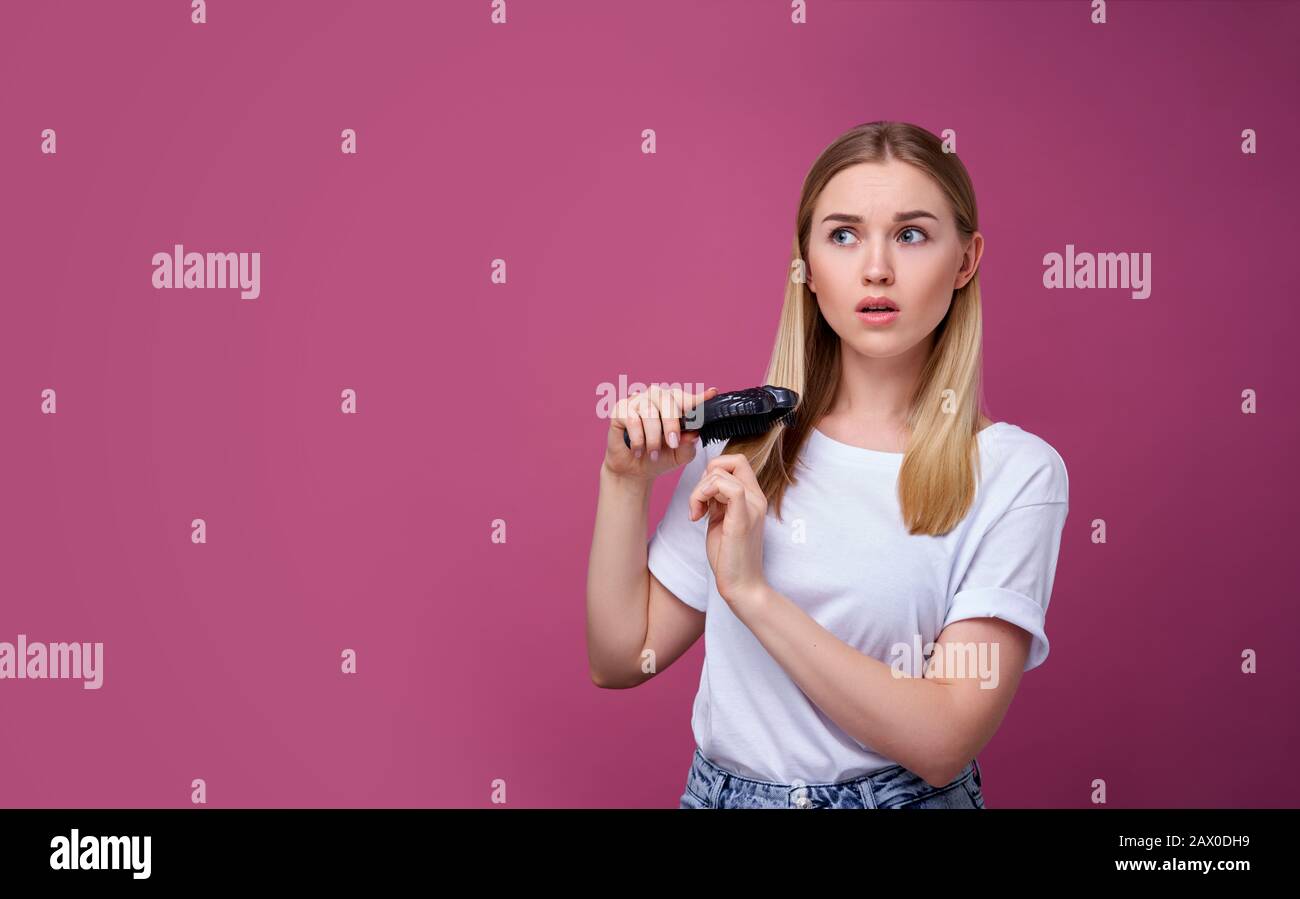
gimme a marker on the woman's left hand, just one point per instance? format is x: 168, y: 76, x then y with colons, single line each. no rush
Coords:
x: 728, y: 492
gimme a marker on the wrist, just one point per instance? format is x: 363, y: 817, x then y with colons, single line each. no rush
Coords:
x: 624, y: 482
x: 750, y: 599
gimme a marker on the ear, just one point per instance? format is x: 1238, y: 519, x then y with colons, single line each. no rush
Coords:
x: 970, y: 261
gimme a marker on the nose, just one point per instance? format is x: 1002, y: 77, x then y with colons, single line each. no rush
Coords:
x: 877, y: 268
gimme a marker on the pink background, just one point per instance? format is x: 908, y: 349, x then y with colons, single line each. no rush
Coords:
x: 477, y: 400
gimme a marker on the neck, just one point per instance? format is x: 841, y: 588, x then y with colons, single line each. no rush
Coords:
x: 877, y: 392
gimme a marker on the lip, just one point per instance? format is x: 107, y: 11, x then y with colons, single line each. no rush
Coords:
x: 878, y: 318
x: 876, y: 301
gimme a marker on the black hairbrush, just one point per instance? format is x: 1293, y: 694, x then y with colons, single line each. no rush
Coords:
x: 740, y: 413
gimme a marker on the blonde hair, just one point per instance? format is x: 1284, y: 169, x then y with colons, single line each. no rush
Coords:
x: 936, y: 483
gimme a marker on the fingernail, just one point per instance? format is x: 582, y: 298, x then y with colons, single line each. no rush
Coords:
x: 672, y: 439
x: 654, y: 454
x: 636, y: 455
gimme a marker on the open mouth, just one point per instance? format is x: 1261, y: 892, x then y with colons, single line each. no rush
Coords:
x: 877, y: 313
x: 877, y: 304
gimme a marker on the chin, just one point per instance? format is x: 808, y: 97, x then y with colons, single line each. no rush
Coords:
x: 879, y: 348
x: 875, y: 350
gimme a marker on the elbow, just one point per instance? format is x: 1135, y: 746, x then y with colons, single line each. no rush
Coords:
x: 937, y: 779
x: 606, y: 683
x: 615, y: 677
x: 939, y: 772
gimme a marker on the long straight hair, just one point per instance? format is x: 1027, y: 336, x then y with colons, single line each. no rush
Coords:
x: 936, y: 484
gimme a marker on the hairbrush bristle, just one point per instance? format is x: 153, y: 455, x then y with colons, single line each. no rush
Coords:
x: 743, y: 426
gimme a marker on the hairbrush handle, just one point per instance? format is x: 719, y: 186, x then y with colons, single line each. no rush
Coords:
x: 737, y: 413
x: 682, y: 424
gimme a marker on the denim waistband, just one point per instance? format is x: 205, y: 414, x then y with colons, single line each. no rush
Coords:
x: 712, y: 786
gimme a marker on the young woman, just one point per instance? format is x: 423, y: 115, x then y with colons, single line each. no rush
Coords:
x: 872, y: 578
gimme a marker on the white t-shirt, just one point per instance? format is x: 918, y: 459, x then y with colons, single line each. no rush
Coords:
x: 843, y: 555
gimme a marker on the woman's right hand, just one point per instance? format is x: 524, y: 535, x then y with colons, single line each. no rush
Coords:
x: 651, y: 421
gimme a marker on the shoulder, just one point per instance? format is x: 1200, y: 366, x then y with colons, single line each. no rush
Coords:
x: 1024, y: 465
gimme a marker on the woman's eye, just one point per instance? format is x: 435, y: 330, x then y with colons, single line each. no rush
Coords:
x: 904, y: 231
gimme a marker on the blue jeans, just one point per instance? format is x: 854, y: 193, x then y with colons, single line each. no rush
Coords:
x: 709, y: 786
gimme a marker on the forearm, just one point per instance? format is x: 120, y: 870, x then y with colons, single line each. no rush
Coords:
x: 907, y: 719
x: 618, y: 579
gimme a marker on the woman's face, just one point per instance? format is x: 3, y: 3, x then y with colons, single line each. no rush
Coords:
x: 872, y: 240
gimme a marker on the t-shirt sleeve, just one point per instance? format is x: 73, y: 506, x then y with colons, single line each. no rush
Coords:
x: 1011, y: 573
x: 677, y: 553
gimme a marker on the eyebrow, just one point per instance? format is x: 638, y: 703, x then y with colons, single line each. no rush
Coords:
x: 898, y: 217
